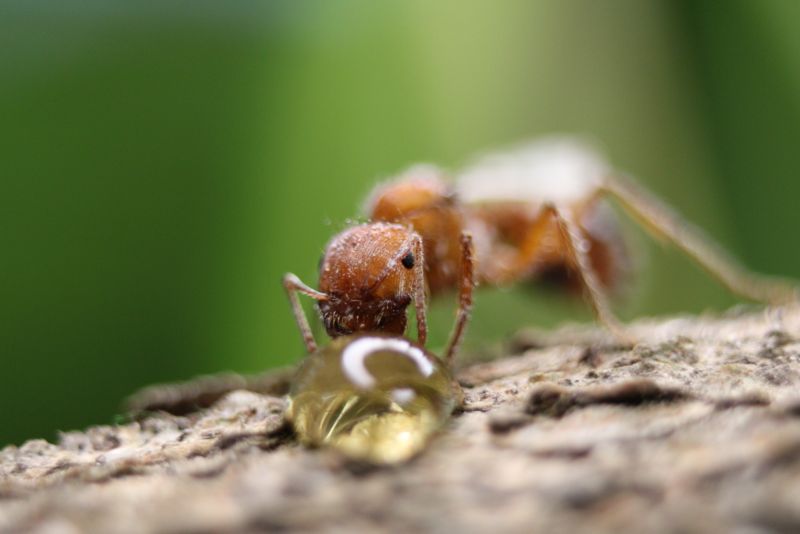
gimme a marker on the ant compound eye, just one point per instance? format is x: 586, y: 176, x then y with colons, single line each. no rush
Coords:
x: 408, y: 260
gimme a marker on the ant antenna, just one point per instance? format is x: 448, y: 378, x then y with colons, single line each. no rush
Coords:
x: 293, y: 285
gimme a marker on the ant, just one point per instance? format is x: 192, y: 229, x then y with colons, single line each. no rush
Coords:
x: 539, y: 212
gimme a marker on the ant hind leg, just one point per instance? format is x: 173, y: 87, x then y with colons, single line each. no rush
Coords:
x: 662, y: 222
x: 578, y: 249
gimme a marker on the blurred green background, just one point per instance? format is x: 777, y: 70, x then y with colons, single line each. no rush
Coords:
x: 164, y: 163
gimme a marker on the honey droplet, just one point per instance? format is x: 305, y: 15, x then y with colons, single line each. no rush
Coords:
x: 374, y: 398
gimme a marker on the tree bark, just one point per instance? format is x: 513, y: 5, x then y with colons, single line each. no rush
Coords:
x: 696, y: 428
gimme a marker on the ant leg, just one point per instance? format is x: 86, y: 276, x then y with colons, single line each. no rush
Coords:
x: 662, y: 222
x: 527, y: 256
x: 550, y: 219
x: 578, y: 247
x: 420, y: 306
x: 293, y: 285
x: 464, y: 297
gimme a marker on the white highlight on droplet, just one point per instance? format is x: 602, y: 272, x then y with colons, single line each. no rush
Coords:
x: 355, y: 354
x: 403, y: 396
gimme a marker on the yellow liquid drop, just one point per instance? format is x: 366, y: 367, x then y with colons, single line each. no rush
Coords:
x: 373, y: 398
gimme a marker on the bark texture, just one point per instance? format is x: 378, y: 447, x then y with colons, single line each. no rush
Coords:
x: 695, y: 429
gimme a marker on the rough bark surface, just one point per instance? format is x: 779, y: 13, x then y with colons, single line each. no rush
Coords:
x: 695, y: 429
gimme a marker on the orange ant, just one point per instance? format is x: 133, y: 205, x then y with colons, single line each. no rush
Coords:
x: 538, y: 212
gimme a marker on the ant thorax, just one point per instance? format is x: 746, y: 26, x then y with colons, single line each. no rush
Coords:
x: 559, y: 170
x: 420, y: 187
x: 422, y: 198
x: 373, y: 398
x: 367, y: 273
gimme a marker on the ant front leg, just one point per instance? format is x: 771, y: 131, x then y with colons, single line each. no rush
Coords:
x: 467, y: 283
x: 420, y: 306
x: 578, y: 248
x: 294, y: 285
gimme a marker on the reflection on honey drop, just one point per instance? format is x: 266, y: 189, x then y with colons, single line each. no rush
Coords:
x: 373, y: 398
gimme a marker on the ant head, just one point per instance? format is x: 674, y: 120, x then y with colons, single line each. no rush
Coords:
x: 368, y: 274
x: 419, y: 188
